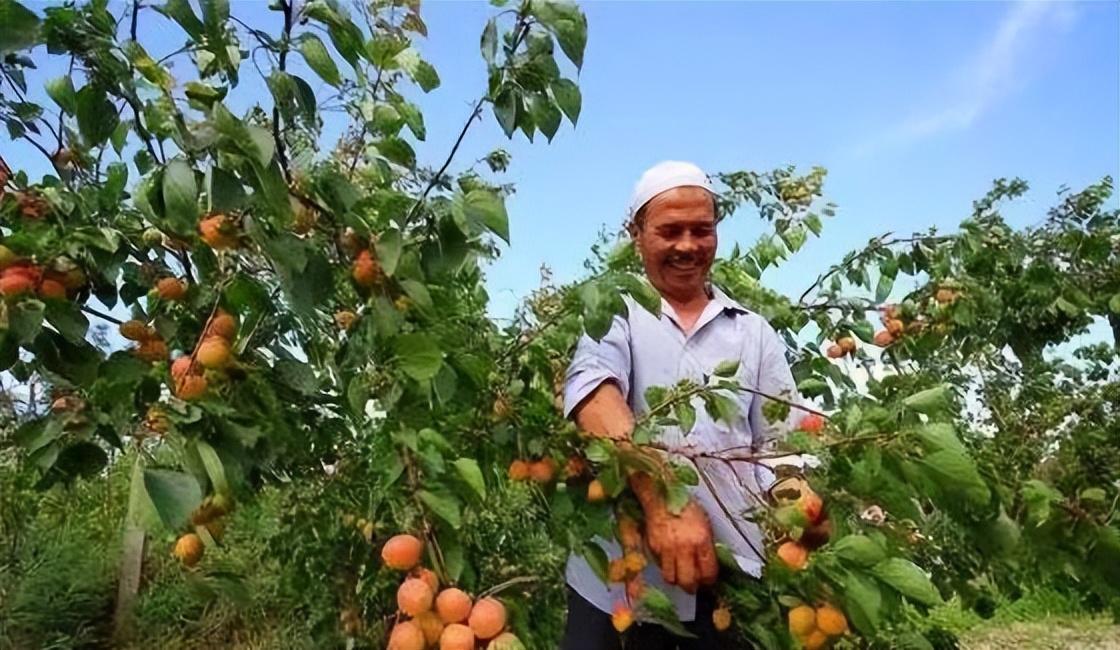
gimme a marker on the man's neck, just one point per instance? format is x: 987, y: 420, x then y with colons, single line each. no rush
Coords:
x: 689, y: 309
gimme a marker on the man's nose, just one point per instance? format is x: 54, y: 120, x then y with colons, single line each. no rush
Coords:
x: 686, y: 243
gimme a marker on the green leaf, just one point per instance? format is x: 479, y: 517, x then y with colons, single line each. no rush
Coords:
x: 68, y: 319
x: 388, y: 248
x: 489, y: 41
x: 224, y: 191
x: 813, y: 222
x: 419, y: 293
x: 939, y: 436
x: 180, y: 11
x: 61, y: 90
x: 485, y: 208
x: 568, y: 98
x: 97, y: 117
x: 726, y: 368
x: 505, y: 110
x: 419, y: 70
x: 418, y: 356
x: 454, y: 555
x: 676, y: 497
x: 298, y: 375
x: 413, y: 119
x: 568, y: 24
x: 883, y: 290
x: 470, y: 472
x: 812, y: 387
x: 444, y: 506
x: 180, y: 195
x: 174, y: 495
x: 1038, y: 497
x: 597, y: 559
x: 656, y: 606
x: 909, y: 580
x: 859, y: 549
x: 545, y: 114
x: 929, y: 401
x: 956, y: 473
x: 214, y: 468
x: 600, y: 451
x: 686, y: 415
x: 1114, y: 304
x: 25, y: 320
x: 397, y: 150
x: 863, y: 602
x: 319, y: 59
x: 19, y: 25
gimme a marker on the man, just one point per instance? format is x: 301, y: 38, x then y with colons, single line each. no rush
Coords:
x: 673, y: 224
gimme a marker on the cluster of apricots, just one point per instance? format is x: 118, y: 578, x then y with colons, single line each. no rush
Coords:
x: 816, y: 628
x: 219, y: 232
x: 795, y: 553
x: 214, y: 351
x: 20, y: 278
x: 189, y: 548
x: 433, y: 617
x: 842, y: 347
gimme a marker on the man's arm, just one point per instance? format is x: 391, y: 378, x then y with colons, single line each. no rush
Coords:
x: 681, y: 543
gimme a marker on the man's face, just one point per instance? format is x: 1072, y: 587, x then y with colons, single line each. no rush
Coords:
x: 677, y: 241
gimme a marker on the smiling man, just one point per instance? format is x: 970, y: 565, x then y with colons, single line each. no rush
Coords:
x: 673, y: 221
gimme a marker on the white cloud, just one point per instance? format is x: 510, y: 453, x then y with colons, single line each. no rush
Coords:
x: 997, y: 70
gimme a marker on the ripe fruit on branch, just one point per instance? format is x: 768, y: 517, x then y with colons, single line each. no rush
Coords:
x: 802, y: 621
x: 945, y: 296
x: 616, y: 570
x: 213, y: 353
x: 518, y: 470
x: 835, y: 352
x: 453, y: 605
x: 721, y: 618
x: 794, y: 555
x: 575, y: 467
x: 883, y: 338
x: 171, y: 289
x: 190, y: 387
x: 543, y: 470
x: 847, y: 344
x: 218, y: 231
x: 506, y: 641
x: 423, y: 573
x: 488, y: 618
x: 366, y: 270
x: 831, y: 621
x: 811, y: 506
x: 815, y: 641
x: 222, y: 325
x: 634, y: 562
x: 406, y: 635
x: 16, y: 284
x: 152, y: 350
x: 431, y: 626
x: 182, y: 367
x: 135, y: 330
x: 345, y: 319
x: 621, y: 617
x: 52, y: 289
x: 595, y: 491
x: 629, y: 533
x: 811, y: 423
x: 188, y: 549
x: 402, y: 552
x: 896, y: 327
x: 457, y: 637
x: 414, y: 596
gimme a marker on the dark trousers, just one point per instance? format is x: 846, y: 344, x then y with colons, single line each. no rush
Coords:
x: 588, y: 628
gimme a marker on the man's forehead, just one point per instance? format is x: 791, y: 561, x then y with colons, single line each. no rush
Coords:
x: 681, y: 205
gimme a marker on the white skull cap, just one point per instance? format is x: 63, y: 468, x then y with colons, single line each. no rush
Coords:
x: 665, y: 176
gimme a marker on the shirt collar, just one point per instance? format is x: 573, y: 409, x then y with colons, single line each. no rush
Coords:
x: 725, y: 301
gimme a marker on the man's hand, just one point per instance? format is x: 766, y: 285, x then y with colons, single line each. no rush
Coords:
x: 682, y: 544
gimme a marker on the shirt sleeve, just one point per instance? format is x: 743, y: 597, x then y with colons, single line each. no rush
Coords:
x: 774, y: 378
x: 595, y: 362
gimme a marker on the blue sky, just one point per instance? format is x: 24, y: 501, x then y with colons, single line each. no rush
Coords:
x: 913, y: 107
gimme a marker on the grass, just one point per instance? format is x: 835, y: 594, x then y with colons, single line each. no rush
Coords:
x: 1058, y: 633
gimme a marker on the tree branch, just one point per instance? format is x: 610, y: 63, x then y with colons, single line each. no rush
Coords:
x: 285, y: 44
x: 475, y: 112
x: 102, y: 316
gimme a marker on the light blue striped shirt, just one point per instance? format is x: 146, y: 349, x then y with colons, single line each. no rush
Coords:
x: 641, y: 351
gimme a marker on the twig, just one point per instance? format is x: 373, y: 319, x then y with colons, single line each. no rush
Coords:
x: 135, y: 13
x: 476, y: 111
x: 507, y: 584
x: 102, y: 316
x: 285, y: 44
